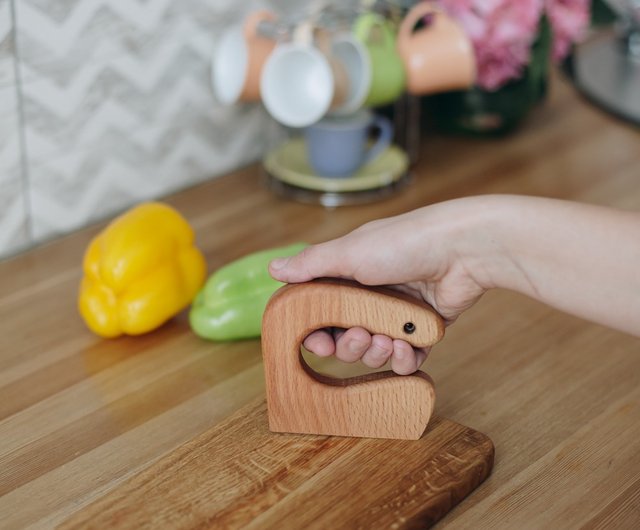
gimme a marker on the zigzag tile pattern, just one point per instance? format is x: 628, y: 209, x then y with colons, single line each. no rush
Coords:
x: 9, y: 132
x: 117, y: 105
x: 6, y: 44
x: 14, y: 234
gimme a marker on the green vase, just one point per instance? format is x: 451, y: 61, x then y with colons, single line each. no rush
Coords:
x: 479, y: 112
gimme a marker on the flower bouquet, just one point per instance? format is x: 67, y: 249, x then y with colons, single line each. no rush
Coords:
x: 514, y: 43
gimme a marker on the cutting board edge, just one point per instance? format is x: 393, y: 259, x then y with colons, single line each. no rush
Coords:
x: 119, y: 507
x: 425, y: 519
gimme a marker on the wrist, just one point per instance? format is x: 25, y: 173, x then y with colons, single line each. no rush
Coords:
x: 485, y: 233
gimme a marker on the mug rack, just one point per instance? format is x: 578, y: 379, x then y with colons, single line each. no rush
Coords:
x: 337, y: 17
x: 335, y: 59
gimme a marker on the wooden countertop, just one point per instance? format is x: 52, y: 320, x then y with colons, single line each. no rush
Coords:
x: 559, y: 397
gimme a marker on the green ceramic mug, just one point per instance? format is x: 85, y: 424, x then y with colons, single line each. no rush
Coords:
x: 388, y: 78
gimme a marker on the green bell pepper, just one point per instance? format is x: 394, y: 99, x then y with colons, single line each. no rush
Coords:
x: 231, y: 303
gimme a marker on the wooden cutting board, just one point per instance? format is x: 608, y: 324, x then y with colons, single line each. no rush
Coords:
x: 241, y: 475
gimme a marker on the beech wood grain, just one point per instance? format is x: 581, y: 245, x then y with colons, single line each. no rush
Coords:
x: 380, y: 405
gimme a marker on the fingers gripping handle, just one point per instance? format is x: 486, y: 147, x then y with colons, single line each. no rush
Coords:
x: 381, y: 405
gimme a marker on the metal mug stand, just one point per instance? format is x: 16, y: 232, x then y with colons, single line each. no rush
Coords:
x: 405, y: 112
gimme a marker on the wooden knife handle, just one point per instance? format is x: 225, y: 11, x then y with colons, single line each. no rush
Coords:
x: 378, y: 405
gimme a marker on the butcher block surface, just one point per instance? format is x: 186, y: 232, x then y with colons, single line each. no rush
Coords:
x: 559, y: 397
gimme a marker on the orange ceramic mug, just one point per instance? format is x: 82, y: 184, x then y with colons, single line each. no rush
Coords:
x: 437, y: 56
x: 239, y: 58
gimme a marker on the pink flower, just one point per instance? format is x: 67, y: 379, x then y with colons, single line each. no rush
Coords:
x: 568, y: 19
x: 502, y: 33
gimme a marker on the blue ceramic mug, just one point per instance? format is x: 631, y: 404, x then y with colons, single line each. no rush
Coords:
x: 338, y: 146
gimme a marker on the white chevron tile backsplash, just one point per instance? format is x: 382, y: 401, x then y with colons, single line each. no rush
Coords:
x: 141, y: 166
x: 61, y: 33
x: 9, y: 128
x: 6, y: 44
x: 14, y: 234
x: 115, y: 107
x: 100, y: 98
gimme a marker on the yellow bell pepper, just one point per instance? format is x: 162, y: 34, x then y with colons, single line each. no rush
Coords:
x: 140, y: 271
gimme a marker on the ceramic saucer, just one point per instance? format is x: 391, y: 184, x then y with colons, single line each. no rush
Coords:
x: 288, y: 164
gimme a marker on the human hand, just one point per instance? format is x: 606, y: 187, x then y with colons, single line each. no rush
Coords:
x: 427, y: 253
x: 560, y: 253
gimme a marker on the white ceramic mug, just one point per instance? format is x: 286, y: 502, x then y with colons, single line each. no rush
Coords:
x: 354, y: 57
x: 297, y: 83
x: 238, y: 60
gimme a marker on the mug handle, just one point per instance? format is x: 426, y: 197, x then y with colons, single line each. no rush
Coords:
x: 375, y: 22
x: 304, y: 33
x: 413, y: 16
x: 385, y: 127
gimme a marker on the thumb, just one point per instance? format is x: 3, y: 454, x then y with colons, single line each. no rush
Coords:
x: 316, y: 261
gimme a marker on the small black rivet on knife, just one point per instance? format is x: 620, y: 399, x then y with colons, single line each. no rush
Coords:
x: 409, y: 328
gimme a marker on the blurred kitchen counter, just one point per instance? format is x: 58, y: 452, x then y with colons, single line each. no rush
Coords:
x: 559, y: 397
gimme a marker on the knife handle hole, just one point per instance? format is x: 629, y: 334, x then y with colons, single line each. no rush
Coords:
x: 409, y: 328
